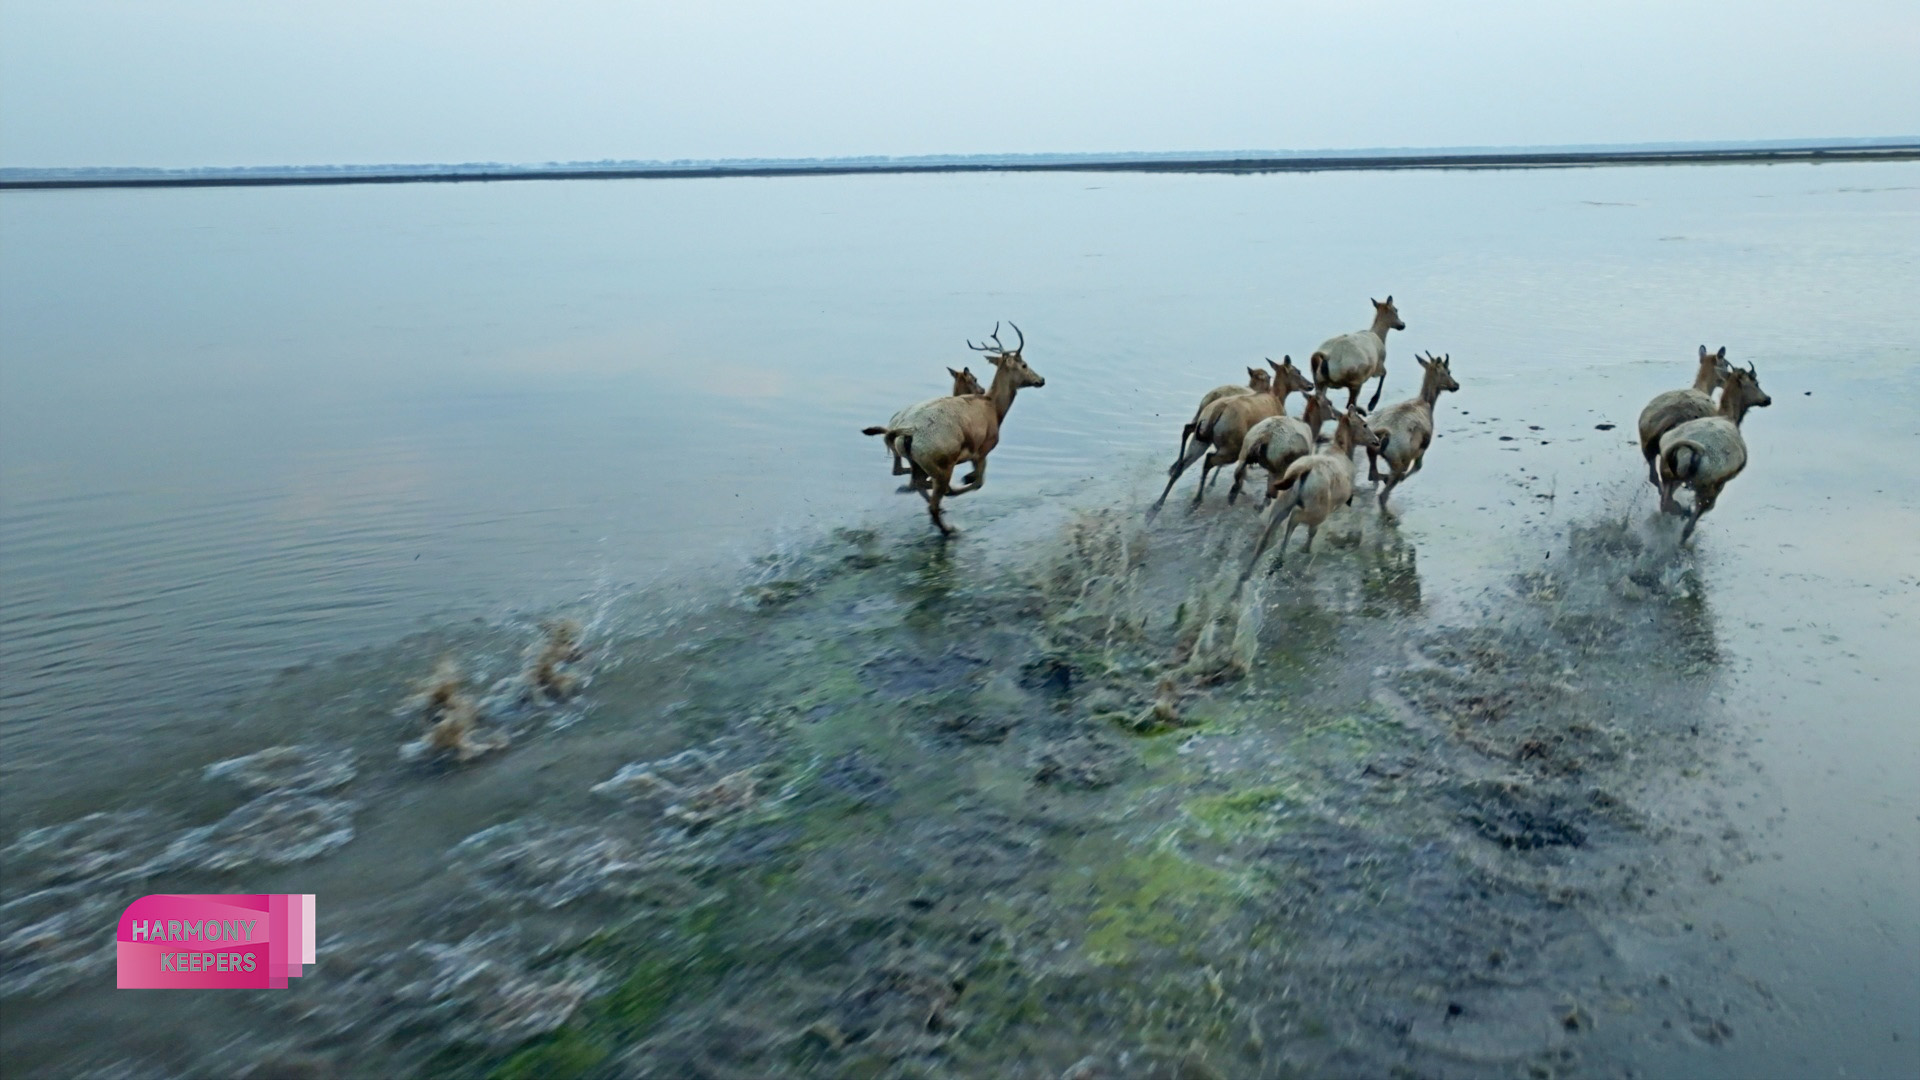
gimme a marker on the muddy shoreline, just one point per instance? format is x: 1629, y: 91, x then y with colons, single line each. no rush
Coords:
x: 886, y: 816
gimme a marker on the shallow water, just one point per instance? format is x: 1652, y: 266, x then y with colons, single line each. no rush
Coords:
x: 266, y: 456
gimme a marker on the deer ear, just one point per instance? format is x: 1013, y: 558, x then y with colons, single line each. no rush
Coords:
x: 1703, y: 352
x: 1376, y: 303
x: 953, y: 373
x: 1389, y: 298
x: 1722, y: 354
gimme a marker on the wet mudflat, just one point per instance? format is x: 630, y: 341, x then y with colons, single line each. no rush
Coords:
x: 1512, y: 788
x: 897, y: 812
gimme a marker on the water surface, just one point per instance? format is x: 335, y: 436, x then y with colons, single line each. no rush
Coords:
x: 266, y: 455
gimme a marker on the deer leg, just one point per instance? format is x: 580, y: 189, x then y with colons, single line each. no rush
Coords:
x: 1280, y: 558
x: 1702, y: 502
x: 1186, y: 433
x: 1652, y: 454
x: 1420, y: 457
x: 1377, y: 387
x: 973, y: 480
x: 1373, y: 466
x: 1260, y: 545
x: 1200, y: 489
x: 917, y: 484
x: 1392, y: 482
x: 1206, y: 468
x: 1273, y: 516
x: 940, y: 481
x: 1193, y: 453
x: 1239, y: 478
x: 1219, y: 468
x: 1312, y: 531
x: 1669, y: 504
x: 1666, y: 485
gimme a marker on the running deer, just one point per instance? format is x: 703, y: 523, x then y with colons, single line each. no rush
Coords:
x: 964, y: 382
x: 1316, y: 485
x: 1675, y: 407
x: 1406, y: 428
x: 1223, y: 427
x: 1279, y: 441
x: 1706, y: 454
x: 1258, y: 382
x: 1351, y: 359
x: 940, y: 435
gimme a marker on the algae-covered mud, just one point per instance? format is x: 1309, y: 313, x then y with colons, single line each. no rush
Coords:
x: 904, y: 811
x: 506, y: 568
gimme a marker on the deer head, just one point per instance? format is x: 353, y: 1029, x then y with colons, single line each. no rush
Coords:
x: 1713, y: 369
x: 1011, y: 366
x: 1319, y: 411
x: 1288, y: 379
x: 1353, y: 431
x: 964, y: 382
x: 1386, y: 315
x: 1438, y: 377
x: 1740, y: 391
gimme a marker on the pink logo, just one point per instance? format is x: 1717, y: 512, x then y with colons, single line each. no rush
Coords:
x: 257, y: 941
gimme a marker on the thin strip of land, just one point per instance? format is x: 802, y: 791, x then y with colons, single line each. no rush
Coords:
x: 29, y: 179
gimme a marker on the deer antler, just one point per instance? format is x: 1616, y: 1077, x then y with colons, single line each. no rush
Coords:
x: 996, y: 347
x: 1016, y: 329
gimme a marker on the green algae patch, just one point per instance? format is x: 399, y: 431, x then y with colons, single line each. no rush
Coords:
x: 1238, y: 813
x: 562, y: 1055
x: 830, y: 676
x: 646, y: 992
x: 1158, y: 899
x: 683, y: 956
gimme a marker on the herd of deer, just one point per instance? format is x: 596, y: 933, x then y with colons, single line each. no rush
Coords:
x: 1687, y: 437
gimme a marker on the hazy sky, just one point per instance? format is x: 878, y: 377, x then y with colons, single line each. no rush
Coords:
x: 244, y: 82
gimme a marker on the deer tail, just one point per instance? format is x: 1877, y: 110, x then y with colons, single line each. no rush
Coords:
x: 1682, y: 459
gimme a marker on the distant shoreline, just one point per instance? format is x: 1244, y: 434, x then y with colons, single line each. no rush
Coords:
x: 53, y: 179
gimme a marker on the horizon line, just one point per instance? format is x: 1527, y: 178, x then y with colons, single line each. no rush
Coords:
x: 1778, y: 151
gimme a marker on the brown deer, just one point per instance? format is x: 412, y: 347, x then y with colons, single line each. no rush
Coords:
x: 1224, y: 424
x: 940, y: 435
x: 1675, y: 407
x: 1406, y: 428
x: 964, y: 382
x: 1317, y: 485
x: 1258, y: 382
x: 1351, y: 359
x: 1279, y: 441
x: 1706, y: 454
